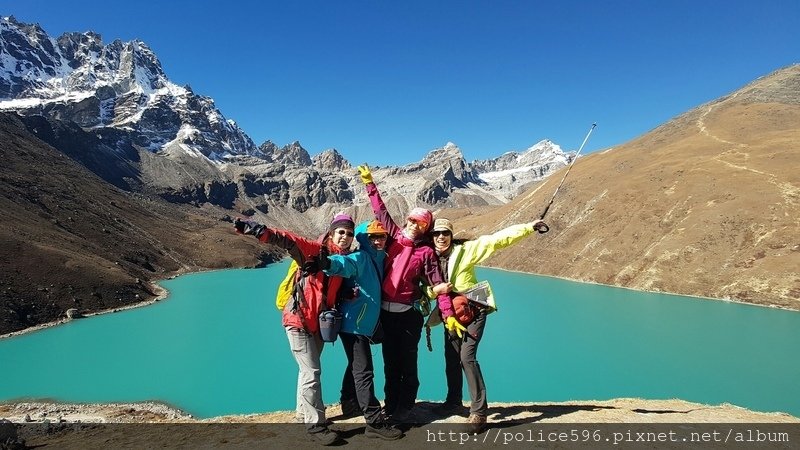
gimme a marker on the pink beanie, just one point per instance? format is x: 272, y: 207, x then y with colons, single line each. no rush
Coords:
x: 422, y: 215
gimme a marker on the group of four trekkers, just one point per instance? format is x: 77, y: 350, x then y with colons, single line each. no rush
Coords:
x: 382, y: 291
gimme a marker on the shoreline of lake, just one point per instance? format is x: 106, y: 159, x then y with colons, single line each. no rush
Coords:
x: 163, y: 294
x: 698, y: 297
x: 625, y: 410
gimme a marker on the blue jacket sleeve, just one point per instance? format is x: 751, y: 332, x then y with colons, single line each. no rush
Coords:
x: 345, y: 266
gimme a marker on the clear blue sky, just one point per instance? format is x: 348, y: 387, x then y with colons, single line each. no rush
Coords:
x: 385, y: 82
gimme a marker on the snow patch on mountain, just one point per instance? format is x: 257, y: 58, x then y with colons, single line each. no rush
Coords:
x: 489, y: 176
x: 514, y: 171
x: 120, y: 85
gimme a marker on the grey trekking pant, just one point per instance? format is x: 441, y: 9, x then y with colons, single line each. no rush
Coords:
x: 462, y: 354
x: 307, y: 349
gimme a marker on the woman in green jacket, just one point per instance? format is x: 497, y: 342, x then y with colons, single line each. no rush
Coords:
x: 457, y: 259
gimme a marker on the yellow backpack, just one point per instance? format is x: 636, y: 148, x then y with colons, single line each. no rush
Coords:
x: 286, y: 288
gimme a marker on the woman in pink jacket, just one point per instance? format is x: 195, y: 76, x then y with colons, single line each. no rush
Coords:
x: 410, y: 261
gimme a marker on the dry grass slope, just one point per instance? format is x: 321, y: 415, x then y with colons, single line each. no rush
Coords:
x: 707, y: 204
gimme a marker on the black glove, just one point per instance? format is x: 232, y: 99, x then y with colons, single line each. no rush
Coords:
x: 311, y: 265
x: 248, y: 227
x: 314, y: 264
x: 324, y: 262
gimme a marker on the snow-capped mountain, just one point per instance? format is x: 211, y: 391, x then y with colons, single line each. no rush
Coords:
x: 449, y: 176
x: 112, y: 108
x: 120, y: 85
x: 512, y: 171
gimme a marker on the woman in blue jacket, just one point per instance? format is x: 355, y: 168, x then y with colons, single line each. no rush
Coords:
x: 360, y: 322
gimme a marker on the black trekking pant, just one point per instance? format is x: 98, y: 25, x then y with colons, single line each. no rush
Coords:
x: 462, y: 353
x: 359, y: 379
x: 402, y: 331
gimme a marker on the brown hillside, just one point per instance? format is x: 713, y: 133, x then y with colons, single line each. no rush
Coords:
x: 71, y: 240
x: 707, y: 204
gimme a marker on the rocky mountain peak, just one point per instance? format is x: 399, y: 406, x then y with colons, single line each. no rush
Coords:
x: 268, y: 149
x: 121, y: 86
x: 141, y: 66
x: 27, y: 57
x: 78, y: 48
x: 542, y: 152
x: 449, y: 152
x: 292, y: 155
x: 33, y: 32
x: 196, y: 155
x: 331, y: 160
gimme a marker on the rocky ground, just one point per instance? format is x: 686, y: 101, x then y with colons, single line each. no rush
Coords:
x: 123, y: 425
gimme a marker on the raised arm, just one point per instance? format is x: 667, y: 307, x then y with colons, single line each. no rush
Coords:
x: 299, y: 248
x: 375, y: 200
x: 479, y: 249
x: 345, y: 266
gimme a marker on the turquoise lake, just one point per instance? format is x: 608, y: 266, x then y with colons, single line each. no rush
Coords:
x: 216, y: 346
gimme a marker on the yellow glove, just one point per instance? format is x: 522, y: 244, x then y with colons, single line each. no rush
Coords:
x: 366, y: 175
x: 453, y: 325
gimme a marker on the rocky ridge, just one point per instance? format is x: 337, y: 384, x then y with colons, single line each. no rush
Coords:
x: 176, y: 144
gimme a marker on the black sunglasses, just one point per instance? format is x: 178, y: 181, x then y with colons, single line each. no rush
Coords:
x: 377, y: 236
x: 348, y: 233
x: 443, y: 232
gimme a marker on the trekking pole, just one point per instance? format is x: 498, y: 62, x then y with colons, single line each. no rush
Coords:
x: 543, y: 228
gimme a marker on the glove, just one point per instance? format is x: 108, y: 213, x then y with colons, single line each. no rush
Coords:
x: 453, y: 326
x: 311, y: 265
x: 316, y: 263
x: 366, y: 175
x: 324, y: 262
x: 248, y: 227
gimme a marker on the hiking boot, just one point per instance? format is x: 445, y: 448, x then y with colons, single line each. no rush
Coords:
x: 350, y: 408
x: 477, y: 424
x: 383, y: 430
x: 448, y: 409
x: 325, y: 436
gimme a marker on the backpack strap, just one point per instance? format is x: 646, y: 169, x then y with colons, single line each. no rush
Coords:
x: 297, y: 294
x: 324, y: 290
x: 428, y: 337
